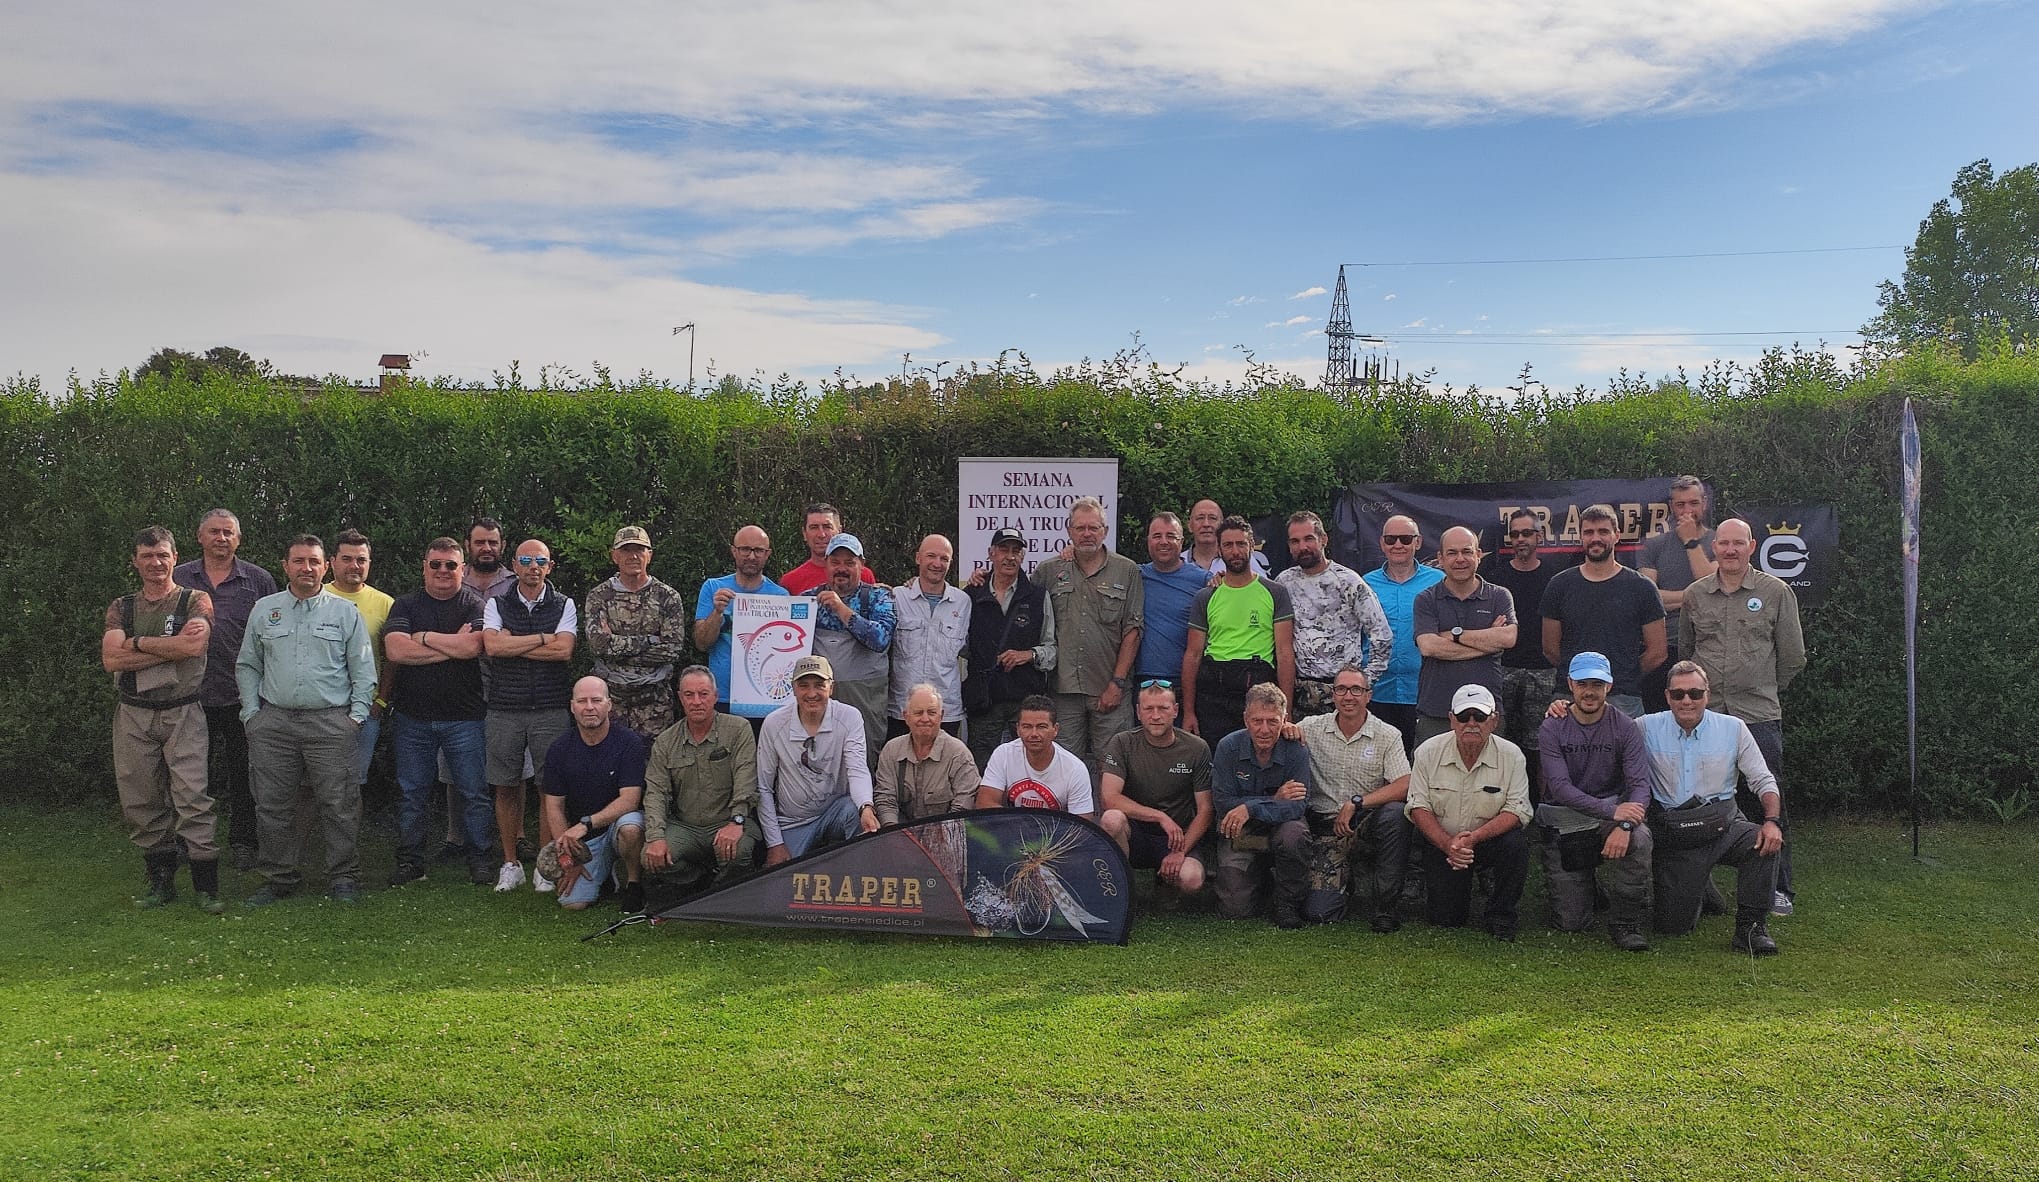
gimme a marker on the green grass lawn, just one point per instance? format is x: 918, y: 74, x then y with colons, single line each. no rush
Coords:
x: 444, y: 1031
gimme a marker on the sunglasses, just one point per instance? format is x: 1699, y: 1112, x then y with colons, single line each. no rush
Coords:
x: 807, y: 754
x: 1471, y: 716
x: 1685, y: 695
x: 1400, y: 539
x: 1163, y: 682
x: 443, y: 564
x: 533, y: 560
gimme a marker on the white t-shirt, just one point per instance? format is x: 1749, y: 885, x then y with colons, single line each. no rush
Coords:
x: 1064, y: 786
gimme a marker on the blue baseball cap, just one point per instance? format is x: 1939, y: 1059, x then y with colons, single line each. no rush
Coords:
x: 845, y: 542
x: 1592, y: 667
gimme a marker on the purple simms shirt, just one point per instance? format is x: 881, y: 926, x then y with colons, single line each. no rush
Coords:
x: 1593, y: 768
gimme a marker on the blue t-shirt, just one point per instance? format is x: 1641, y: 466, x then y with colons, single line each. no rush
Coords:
x: 718, y: 657
x: 1398, y: 600
x: 1166, y: 632
x: 591, y: 778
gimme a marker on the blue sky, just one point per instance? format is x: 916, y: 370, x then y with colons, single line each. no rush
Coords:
x: 834, y: 185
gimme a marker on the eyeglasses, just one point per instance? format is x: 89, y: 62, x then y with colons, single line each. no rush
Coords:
x: 533, y: 560
x: 1525, y: 533
x: 443, y: 564
x: 753, y: 549
x: 1400, y: 539
x: 1349, y: 690
x: 1685, y: 695
x: 1472, y: 716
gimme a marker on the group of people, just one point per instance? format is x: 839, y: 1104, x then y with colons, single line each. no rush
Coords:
x: 1267, y: 736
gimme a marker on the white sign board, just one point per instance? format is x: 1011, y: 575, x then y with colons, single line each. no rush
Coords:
x: 771, y: 633
x: 1031, y: 496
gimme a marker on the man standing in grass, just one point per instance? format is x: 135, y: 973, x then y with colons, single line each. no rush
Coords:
x: 814, y: 784
x: 1241, y: 634
x: 1463, y: 625
x: 1741, y: 625
x: 1604, y: 607
x: 352, y: 556
x: 1339, y: 622
x: 1397, y: 581
x: 1156, y: 788
x: 594, y: 782
x: 527, y: 634
x: 1596, y: 783
x: 1469, y: 800
x: 1012, y: 645
x: 1098, y: 601
x: 1170, y: 585
x: 637, y: 630
x: 155, y: 647
x: 714, y: 613
x: 233, y: 584
x: 306, y: 674
x: 933, y: 627
x: 433, y: 641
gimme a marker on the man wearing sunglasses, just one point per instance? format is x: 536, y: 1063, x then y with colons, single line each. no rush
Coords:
x: 1469, y: 800
x: 1527, y: 680
x: 433, y: 642
x: 814, y: 782
x: 528, y: 634
x: 1695, y: 756
x: 1397, y: 582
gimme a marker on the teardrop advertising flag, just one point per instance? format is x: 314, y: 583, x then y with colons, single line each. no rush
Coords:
x: 1028, y: 874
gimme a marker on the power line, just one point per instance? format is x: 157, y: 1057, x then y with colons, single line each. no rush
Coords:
x: 1667, y: 334
x: 1623, y: 258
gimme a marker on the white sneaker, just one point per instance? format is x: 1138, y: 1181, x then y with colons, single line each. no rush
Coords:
x: 540, y: 883
x: 1780, y: 904
x: 510, y: 877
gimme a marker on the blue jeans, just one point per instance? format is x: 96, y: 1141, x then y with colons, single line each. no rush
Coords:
x: 837, y: 822
x: 417, y: 745
x: 364, y: 747
x: 601, y: 863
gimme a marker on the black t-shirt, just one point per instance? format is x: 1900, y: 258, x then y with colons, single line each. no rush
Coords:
x: 1527, y: 588
x: 1605, y: 617
x: 591, y: 778
x: 449, y: 691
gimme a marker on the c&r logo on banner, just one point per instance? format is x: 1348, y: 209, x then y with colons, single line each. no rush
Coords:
x: 1783, y: 553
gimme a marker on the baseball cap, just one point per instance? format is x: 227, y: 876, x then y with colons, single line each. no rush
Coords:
x: 1000, y: 537
x: 1592, y: 667
x: 845, y: 542
x: 813, y: 665
x: 1472, y: 697
x: 631, y: 535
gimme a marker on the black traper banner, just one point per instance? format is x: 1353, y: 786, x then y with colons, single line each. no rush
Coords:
x: 1028, y: 874
x: 1799, y: 544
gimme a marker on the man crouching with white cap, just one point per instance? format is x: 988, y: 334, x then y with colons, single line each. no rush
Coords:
x: 1469, y: 798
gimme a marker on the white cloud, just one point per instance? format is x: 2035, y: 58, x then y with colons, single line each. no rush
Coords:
x: 1307, y: 292
x: 1242, y: 301
x: 1294, y: 320
x: 1387, y: 297
x: 1417, y: 323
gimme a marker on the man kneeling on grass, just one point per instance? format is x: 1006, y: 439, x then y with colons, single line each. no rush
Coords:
x: 594, y: 782
x: 1156, y: 784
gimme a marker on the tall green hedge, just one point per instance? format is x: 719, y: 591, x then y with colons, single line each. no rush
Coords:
x: 84, y: 469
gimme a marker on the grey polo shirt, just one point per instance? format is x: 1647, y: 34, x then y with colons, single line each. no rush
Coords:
x: 799, y: 774
x: 1438, y: 610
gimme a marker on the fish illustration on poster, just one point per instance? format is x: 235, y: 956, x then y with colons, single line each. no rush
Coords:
x: 772, y: 633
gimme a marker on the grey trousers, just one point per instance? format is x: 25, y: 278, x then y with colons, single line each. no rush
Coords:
x: 1571, y: 891
x: 1084, y: 729
x: 313, y: 748
x: 1681, y: 877
x: 1242, y: 874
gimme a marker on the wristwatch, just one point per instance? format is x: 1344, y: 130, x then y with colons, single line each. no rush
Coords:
x: 1124, y: 683
x: 1359, y: 802
x: 1458, y: 635
x: 1625, y: 826
x: 1693, y: 544
x: 737, y: 819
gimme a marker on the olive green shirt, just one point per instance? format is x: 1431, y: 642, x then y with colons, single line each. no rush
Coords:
x: 703, y: 783
x: 1748, y: 641
x: 1093, y: 614
x: 907, y: 789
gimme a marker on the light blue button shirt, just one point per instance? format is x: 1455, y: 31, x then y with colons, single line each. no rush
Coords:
x: 1398, y: 600
x: 1701, y: 763
x: 305, y: 654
